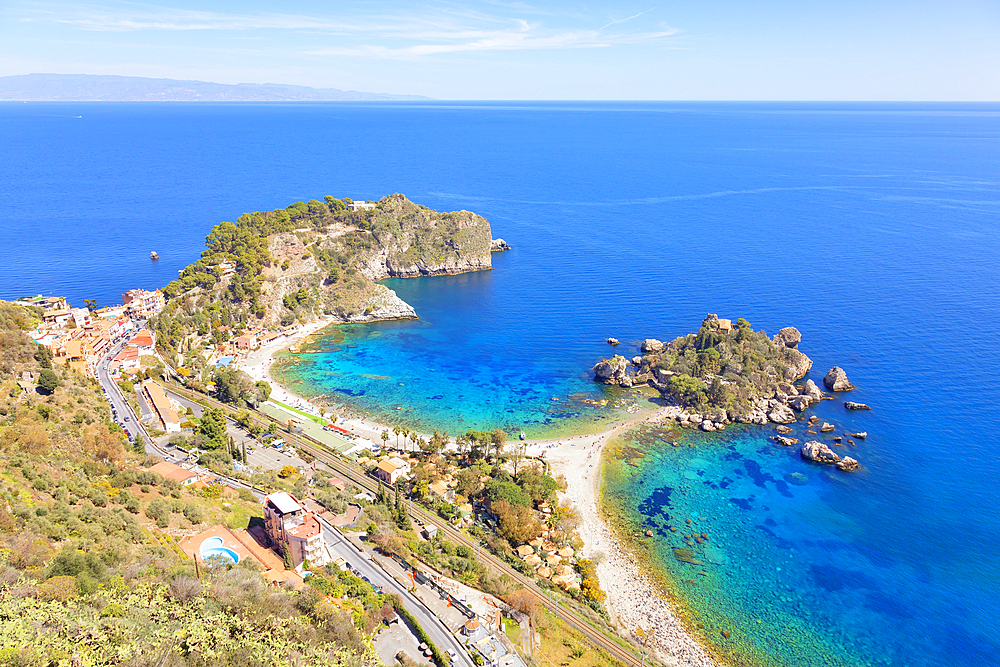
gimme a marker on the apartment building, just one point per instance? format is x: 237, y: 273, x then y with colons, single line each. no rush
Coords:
x: 292, y: 530
x: 141, y: 304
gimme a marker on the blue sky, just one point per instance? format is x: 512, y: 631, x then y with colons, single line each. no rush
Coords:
x: 767, y: 50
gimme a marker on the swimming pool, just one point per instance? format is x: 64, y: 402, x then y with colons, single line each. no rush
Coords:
x: 213, y: 546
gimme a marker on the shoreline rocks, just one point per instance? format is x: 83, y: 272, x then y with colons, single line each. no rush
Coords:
x: 810, y: 390
x: 847, y: 464
x: 836, y: 380
x: 781, y: 414
x: 613, y: 371
x: 789, y: 337
x: 818, y: 452
x: 651, y: 346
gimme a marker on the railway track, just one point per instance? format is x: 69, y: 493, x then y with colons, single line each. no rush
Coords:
x: 357, y: 477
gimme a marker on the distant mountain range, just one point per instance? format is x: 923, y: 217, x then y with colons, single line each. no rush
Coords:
x: 105, y: 88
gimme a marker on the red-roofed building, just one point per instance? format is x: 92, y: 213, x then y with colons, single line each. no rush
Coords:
x: 293, y: 530
x: 127, y: 359
x: 143, y: 341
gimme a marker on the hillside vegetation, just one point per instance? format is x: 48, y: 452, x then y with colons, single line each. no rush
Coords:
x: 89, y: 572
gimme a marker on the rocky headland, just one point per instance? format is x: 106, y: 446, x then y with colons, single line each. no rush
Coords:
x: 320, y: 259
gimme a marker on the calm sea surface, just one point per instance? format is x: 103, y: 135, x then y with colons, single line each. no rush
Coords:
x: 872, y: 228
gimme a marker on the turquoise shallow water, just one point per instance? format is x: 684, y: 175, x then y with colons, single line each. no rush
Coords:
x: 872, y: 228
x: 460, y: 367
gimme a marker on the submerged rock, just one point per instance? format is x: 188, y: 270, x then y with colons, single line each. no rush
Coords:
x: 818, y: 452
x: 797, y: 479
x: 836, y: 380
x: 784, y: 430
x: 847, y: 464
x: 786, y: 441
x: 850, y: 405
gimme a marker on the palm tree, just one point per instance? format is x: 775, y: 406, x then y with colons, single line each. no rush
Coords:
x: 397, y: 430
x: 385, y: 437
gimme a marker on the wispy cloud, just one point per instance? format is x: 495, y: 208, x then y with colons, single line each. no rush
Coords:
x: 625, y: 20
x: 440, y: 29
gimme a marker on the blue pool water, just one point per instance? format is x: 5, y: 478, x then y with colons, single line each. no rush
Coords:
x: 213, y: 547
x: 871, y: 228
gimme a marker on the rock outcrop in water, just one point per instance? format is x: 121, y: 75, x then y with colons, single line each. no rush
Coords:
x: 498, y: 245
x: 847, y: 464
x: 818, y: 452
x: 836, y: 380
x: 613, y: 371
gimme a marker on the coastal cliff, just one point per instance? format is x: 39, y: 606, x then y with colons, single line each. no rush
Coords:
x: 413, y: 240
x: 319, y: 258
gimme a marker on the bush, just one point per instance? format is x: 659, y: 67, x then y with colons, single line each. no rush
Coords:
x: 159, y: 511
x: 193, y: 513
x: 47, y: 381
x: 112, y: 610
x: 58, y: 589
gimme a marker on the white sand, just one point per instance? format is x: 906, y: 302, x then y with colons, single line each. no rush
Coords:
x: 633, y: 601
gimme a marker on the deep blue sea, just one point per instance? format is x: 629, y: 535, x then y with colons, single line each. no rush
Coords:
x: 872, y: 228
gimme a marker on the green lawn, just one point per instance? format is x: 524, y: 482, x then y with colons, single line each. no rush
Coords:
x: 299, y: 412
x: 513, y: 631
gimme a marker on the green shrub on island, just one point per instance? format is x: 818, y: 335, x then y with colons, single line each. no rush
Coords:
x: 721, y: 366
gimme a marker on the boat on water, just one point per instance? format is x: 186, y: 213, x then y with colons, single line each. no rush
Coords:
x: 153, y: 255
x: 523, y: 436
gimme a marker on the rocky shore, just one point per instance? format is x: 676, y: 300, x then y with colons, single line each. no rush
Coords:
x: 726, y: 374
x: 708, y: 374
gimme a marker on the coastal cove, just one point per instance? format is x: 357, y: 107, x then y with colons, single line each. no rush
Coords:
x: 870, y: 228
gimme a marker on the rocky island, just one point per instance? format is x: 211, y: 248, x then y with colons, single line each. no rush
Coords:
x: 726, y: 373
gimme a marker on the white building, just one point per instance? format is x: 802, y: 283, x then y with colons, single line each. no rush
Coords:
x: 142, y: 304
x: 81, y: 316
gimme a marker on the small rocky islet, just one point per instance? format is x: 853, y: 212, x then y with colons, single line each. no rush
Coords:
x: 728, y: 373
